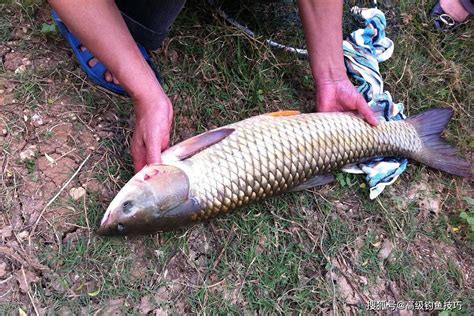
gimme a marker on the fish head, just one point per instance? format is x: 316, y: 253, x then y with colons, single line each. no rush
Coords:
x: 155, y: 199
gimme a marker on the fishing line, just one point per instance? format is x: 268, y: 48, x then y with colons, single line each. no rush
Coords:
x: 300, y: 52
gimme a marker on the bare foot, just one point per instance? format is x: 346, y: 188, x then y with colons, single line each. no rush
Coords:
x: 455, y: 9
x: 108, y: 76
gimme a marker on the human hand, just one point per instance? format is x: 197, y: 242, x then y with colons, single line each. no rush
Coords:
x: 339, y: 96
x: 152, y: 130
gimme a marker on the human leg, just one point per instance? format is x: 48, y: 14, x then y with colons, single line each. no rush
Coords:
x: 149, y: 21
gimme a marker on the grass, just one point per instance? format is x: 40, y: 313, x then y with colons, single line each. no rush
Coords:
x: 29, y: 90
x: 306, y: 252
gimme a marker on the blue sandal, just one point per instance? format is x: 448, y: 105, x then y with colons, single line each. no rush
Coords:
x: 95, y: 73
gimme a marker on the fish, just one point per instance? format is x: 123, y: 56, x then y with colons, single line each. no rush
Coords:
x: 226, y: 168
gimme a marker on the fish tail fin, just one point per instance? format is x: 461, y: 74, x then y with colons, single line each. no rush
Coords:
x: 437, y: 153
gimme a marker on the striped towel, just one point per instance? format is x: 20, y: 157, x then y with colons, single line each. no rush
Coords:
x: 363, y: 50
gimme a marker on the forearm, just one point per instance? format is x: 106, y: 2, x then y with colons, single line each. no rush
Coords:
x: 101, y: 29
x: 322, y: 24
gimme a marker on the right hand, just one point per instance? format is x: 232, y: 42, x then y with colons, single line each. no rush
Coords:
x: 153, y: 120
x: 341, y: 95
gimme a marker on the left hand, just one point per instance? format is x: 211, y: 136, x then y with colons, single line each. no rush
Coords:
x: 340, y: 95
x: 153, y: 119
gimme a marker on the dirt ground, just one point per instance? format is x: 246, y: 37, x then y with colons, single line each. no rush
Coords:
x: 65, y: 155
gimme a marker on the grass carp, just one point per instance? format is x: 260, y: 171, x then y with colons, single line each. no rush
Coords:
x: 220, y: 170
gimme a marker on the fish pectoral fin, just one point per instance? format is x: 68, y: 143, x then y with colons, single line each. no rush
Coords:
x: 318, y: 180
x: 284, y: 113
x: 195, y: 144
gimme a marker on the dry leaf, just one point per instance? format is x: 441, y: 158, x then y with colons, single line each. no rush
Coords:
x: 50, y: 159
x: 3, y: 269
x: 145, y: 305
x: 23, y: 235
x: 345, y: 289
x: 377, y: 244
x: 386, y: 249
x: 9, y: 173
x: 160, y: 312
x: 6, y: 232
x: 25, y: 278
x: 94, y: 293
x: 77, y: 193
x: 114, y: 307
x: 430, y: 205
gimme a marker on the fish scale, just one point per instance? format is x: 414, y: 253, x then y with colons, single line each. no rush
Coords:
x: 268, y: 155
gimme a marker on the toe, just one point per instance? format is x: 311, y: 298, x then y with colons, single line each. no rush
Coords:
x: 108, y: 76
x: 92, y: 62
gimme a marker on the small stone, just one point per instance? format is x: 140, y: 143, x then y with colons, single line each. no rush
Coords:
x: 28, y: 153
x: 37, y: 120
x: 23, y: 235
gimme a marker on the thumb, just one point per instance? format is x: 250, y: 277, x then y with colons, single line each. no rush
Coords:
x: 364, y: 109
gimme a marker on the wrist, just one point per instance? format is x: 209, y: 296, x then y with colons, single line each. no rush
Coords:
x: 154, y: 100
x: 329, y: 73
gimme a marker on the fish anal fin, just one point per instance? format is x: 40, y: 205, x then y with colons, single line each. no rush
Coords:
x: 193, y: 145
x: 284, y: 113
x: 320, y: 179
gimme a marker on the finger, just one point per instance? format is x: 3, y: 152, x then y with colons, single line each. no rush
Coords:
x: 165, y: 143
x: 139, y: 163
x: 165, y: 138
x: 364, y: 109
x: 153, y: 150
x: 322, y: 107
x: 170, y: 116
x: 138, y: 155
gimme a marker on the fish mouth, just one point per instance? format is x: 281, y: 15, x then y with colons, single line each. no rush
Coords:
x: 107, y: 226
x: 102, y: 231
x: 106, y: 229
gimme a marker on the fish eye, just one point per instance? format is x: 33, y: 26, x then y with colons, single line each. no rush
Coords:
x: 120, y: 228
x: 127, y: 207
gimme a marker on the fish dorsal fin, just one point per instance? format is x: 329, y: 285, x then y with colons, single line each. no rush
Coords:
x: 284, y: 113
x: 193, y: 145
